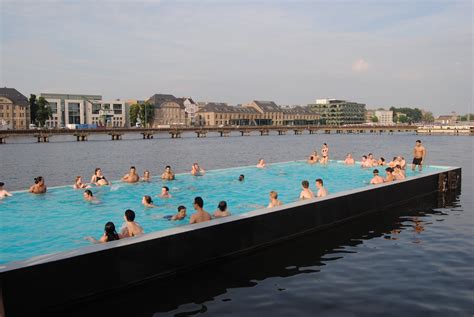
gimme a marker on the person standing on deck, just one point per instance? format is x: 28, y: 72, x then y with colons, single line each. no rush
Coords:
x: 419, y: 153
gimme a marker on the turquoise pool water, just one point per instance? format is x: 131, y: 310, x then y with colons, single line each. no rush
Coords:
x: 34, y: 225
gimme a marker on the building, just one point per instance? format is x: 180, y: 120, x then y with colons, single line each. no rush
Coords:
x: 447, y: 119
x: 168, y: 110
x: 71, y: 109
x: 385, y: 117
x: 221, y: 114
x: 190, y: 109
x: 339, y: 112
x: 14, y: 109
x: 270, y: 113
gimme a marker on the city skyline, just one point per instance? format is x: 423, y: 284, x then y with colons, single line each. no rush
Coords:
x: 381, y: 54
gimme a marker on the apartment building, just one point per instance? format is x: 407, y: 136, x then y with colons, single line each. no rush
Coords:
x: 339, y: 112
x: 14, y: 109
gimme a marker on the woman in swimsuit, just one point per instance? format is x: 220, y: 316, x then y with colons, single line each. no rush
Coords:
x: 325, y: 154
x: 79, y: 184
x: 98, y: 178
x: 109, y: 234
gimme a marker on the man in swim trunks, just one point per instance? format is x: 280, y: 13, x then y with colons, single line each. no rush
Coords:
x: 165, y: 192
x: 325, y: 154
x: 306, y: 193
x: 376, y: 179
x: 322, y: 191
x: 131, y: 228
x: 168, y: 174
x: 180, y: 215
x: 201, y: 215
x: 419, y: 153
x: 132, y: 176
x: 39, y: 187
x: 88, y: 195
x: 3, y: 192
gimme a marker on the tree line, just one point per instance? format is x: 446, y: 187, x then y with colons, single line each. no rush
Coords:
x: 40, y: 110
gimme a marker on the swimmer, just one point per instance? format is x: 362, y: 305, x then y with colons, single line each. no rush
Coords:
x: 372, y: 161
x: 131, y: 228
x: 180, y: 215
x: 165, y: 192
x: 349, y: 159
x: 196, y: 170
x: 365, y: 163
x: 322, y: 191
x: 99, y: 179
x: 148, y: 202
x: 313, y: 158
x: 131, y: 177
x: 381, y: 162
x: 274, y: 200
x: 241, y: 177
x: 325, y: 154
x: 261, y: 163
x: 3, y: 192
x: 39, y: 187
x: 306, y: 193
x: 419, y: 153
x: 109, y: 234
x: 146, y: 176
x: 88, y: 195
x: 79, y: 184
x: 389, y: 177
x: 398, y: 173
x: 201, y: 215
x: 402, y: 162
x: 376, y: 179
x: 393, y: 162
x: 168, y: 174
x: 221, y: 210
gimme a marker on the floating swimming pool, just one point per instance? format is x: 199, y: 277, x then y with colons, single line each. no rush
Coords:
x: 34, y: 225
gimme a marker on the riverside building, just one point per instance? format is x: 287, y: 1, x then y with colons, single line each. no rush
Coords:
x: 339, y: 112
x: 168, y: 110
x: 14, y: 109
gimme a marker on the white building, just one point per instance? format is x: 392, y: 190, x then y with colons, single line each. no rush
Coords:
x: 385, y: 117
x: 108, y: 113
x: 190, y: 109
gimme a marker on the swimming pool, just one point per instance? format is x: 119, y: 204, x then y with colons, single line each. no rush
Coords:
x: 34, y: 225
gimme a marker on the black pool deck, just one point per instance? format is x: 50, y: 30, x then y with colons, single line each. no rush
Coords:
x: 46, y: 282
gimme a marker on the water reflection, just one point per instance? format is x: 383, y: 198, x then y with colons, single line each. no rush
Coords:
x: 190, y: 293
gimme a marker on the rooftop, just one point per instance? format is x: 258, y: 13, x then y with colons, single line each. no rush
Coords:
x: 14, y: 95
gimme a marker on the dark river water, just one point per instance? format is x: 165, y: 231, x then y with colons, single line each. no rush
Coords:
x: 410, y: 261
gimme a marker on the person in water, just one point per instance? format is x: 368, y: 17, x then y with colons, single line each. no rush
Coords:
x: 390, y: 177
x: 398, y: 173
x: 325, y: 154
x: 168, y: 173
x: 241, y: 177
x: 165, y: 192
x: 196, y: 170
x: 221, y: 210
x: 306, y: 193
x: 109, y: 234
x: 39, y: 186
x: 180, y: 215
x: 349, y: 159
x: 261, y: 163
x: 131, y: 228
x: 402, y: 162
x: 376, y: 179
x: 371, y: 159
x: 99, y: 179
x: 79, y: 184
x: 146, y: 176
x: 274, y: 200
x: 365, y: 163
x: 3, y: 192
x: 322, y: 191
x: 200, y: 215
x: 381, y: 162
x: 313, y: 158
x: 148, y: 202
x: 131, y: 177
x: 88, y: 195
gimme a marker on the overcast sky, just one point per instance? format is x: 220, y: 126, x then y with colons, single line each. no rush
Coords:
x: 381, y: 53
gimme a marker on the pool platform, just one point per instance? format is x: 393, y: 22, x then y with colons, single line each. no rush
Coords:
x: 48, y: 282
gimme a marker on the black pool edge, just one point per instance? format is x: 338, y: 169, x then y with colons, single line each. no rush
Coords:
x: 50, y: 281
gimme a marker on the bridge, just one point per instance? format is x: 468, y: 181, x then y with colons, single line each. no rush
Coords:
x: 44, y: 135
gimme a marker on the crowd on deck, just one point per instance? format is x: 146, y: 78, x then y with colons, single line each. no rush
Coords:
x: 394, y: 170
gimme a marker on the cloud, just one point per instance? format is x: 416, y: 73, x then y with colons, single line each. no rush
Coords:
x: 360, y: 66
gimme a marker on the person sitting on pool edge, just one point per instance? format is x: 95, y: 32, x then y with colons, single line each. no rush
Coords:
x: 306, y: 193
x: 274, y: 200
x: 376, y: 179
x: 180, y: 215
x: 197, y: 170
x: 168, y: 174
x: 221, y: 210
x: 131, y: 176
x: 322, y: 191
x: 109, y: 234
x: 165, y: 192
x: 3, y: 192
x: 79, y: 184
x: 200, y: 215
x: 261, y: 163
x: 39, y: 187
x: 130, y: 228
x: 241, y: 177
x: 148, y: 202
x: 98, y: 178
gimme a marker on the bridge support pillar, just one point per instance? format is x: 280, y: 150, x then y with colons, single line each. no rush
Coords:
x: 298, y: 132
x: 3, y: 139
x: 264, y: 132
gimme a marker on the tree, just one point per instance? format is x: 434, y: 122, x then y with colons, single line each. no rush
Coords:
x: 43, y: 112
x: 427, y: 117
x: 467, y: 117
x: 134, y: 109
x: 374, y: 119
x: 143, y: 113
x: 33, y: 108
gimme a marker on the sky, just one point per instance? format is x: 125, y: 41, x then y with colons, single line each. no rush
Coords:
x: 381, y: 53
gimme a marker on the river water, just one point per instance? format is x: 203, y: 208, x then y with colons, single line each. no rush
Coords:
x: 413, y: 260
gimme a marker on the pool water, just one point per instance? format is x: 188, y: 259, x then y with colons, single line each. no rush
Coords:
x: 34, y: 225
